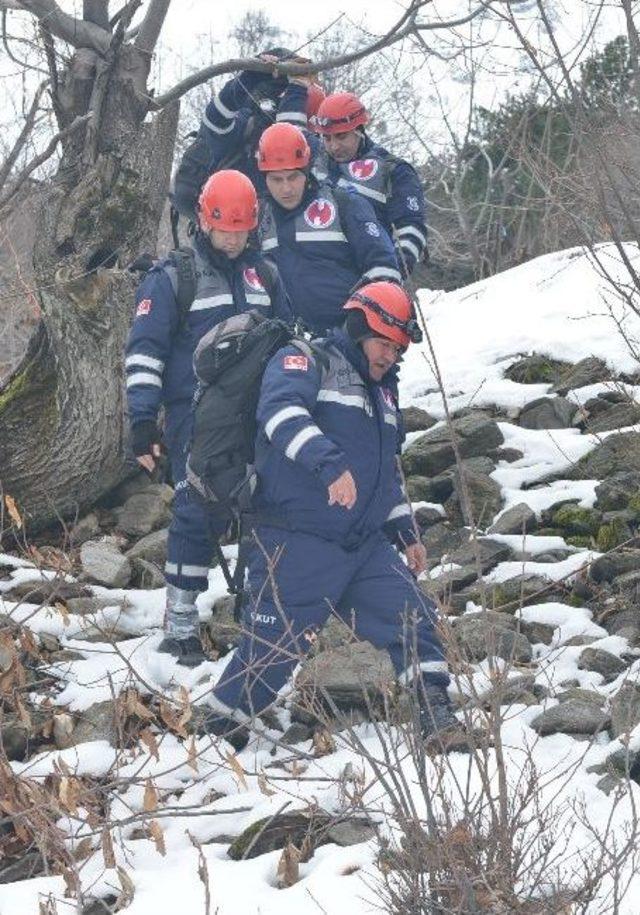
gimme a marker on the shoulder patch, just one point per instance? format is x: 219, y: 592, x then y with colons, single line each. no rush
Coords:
x: 144, y: 308
x: 372, y: 229
x: 295, y: 363
x: 363, y: 169
x: 320, y: 213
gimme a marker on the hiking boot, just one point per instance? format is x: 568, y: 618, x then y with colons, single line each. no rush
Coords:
x: 440, y: 729
x: 235, y: 734
x: 187, y: 652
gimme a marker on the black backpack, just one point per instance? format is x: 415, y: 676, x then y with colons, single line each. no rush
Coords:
x: 229, y: 363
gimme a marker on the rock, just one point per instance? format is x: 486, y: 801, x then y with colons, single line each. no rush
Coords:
x: 147, y: 575
x: 572, y: 717
x: 615, y: 454
x: 87, y: 528
x: 426, y: 517
x: 452, y: 580
x: 510, y: 455
x: 536, y: 369
x: 620, y: 762
x: 352, y: 676
x: 98, y: 722
x: 140, y: 481
x: 479, y: 638
x: 416, y: 420
x: 103, y: 563
x: 626, y: 623
x: 515, y: 520
x: 15, y: 738
x: 274, y: 832
x: 572, y: 519
x: 619, y: 416
x: 625, y: 709
x: 484, y: 552
x: 584, y: 695
x: 485, y: 497
x: 547, y: 413
x: 602, y: 662
x: 297, y: 732
x: 628, y: 584
x: 587, y: 371
x: 537, y: 633
x: 612, y: 534
x: 46, y: 592
x: 433, y: 452
x: 419, y: 489
x: 221, y: 629
x: 63, y: 725
x: 152, y: 548
x: 85, y: 605
x: 335, y: 633
x: 524, y: 589
x: 146, y: 511
x: 606, y: 568
x: 614, y: 493
x: 441, y: 539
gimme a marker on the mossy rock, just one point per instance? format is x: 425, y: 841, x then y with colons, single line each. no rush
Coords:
x: 576, y: 521
x: 536, y: 369
x: 581, y: 541
x: 634, y: 504
x: 612, y: 534
x: 299, y: 829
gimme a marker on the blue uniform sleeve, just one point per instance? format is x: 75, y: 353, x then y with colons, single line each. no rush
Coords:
x: 280, y: 301
x: 154, y: 326
x: 221, y: 112
x: 406, y: 210
x: 399, y: 526
x: 373, y: 250
x: 292, y: 106
x: 288, y: 396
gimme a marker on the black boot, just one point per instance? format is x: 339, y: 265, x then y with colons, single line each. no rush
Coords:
x: 235, y: 734
x: 439, y: 727
x: 187, y: 652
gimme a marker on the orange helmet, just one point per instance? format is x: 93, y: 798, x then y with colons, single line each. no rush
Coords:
x: 282, y: 147
x: 388, y: 311
x: 339, y: 113
x: 315, y: 97
x: 228, y: 201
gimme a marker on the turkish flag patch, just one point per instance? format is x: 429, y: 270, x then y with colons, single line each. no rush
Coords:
x: 144, y: 307
x: 295, y: 363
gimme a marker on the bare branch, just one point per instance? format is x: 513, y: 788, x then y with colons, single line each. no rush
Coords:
x: 40, y: 159
x: 23, y: 136
x: 97, y: 12
x: 74, y: 31
x: 151, y: 26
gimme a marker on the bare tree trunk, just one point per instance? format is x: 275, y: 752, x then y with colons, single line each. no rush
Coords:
x: 62, y: 410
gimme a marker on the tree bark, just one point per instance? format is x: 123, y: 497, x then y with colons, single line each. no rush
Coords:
x: 62, y: 410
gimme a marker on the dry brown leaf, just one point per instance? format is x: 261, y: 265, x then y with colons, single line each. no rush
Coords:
x: 158, y: 837
x: 323, y: 743
x: 232, y: 759
x: 22, y: 711
x: 68, y: 794
x: 107, y: 848
x: 263, y: 785
x: 64, y: 613
x: 134, y: 706
x: 128, y: 889
x: 13, y: 510
x: 28, y: 642
x: 171, y: 718
x: 192, y: 754
x: 297, y: 768
x: 150, y: 797
x: 288, y: 872
x: 83, y: 849
x: 148, y: 738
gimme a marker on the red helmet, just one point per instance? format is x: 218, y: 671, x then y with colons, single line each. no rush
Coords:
x: 282, y: 147
x: 340, y: 112
x: 228, y: 201
x: 388, y: 311
x: 315, y: 97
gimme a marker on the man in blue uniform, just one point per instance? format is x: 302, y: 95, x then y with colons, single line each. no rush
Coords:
x: 390, y: 184
x: 331, y: 518
x: 228, y: 277
x: 325, y: 241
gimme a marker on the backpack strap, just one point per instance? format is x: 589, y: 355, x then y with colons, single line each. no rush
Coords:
x: 268, y: 275
x: 312, y: 350
x: 183, y: 260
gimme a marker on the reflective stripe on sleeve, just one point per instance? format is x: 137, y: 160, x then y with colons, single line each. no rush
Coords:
x: 144, y: 378
x: 282, y: 416
x: 145, y: 362
x: 301, y: 439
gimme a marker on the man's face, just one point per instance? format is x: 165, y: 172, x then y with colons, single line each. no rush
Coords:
x: 343, y: 147
x: 287, y: 187
x: 381, y: 355
x: 230, y: 243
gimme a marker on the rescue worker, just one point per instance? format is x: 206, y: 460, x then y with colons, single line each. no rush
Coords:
x: 325, y: 241
x: 331, y: 517
x: 246, y: 105
x: 391, y: 184
x: 229, y: 276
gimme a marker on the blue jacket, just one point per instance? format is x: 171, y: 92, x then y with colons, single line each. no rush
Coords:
x: 325, y: 247
x: 235, y: 119
x: 159, y: 353
x: 317, y: 417
x: 393, y: 188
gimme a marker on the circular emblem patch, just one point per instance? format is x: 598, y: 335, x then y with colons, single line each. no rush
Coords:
x: 252, y: 279
x: 320, y: 213
x: 363, y: 169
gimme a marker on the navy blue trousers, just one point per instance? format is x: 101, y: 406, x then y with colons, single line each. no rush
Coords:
x: 370, y: 588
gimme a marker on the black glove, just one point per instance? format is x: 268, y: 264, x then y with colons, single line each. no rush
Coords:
x: 144, y: 435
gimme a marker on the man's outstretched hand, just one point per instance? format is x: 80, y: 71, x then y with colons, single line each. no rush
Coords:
x: 343, y: 491
x: 416, y: 557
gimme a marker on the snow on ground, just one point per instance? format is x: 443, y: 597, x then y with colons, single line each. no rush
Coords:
x: 552, y: 305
